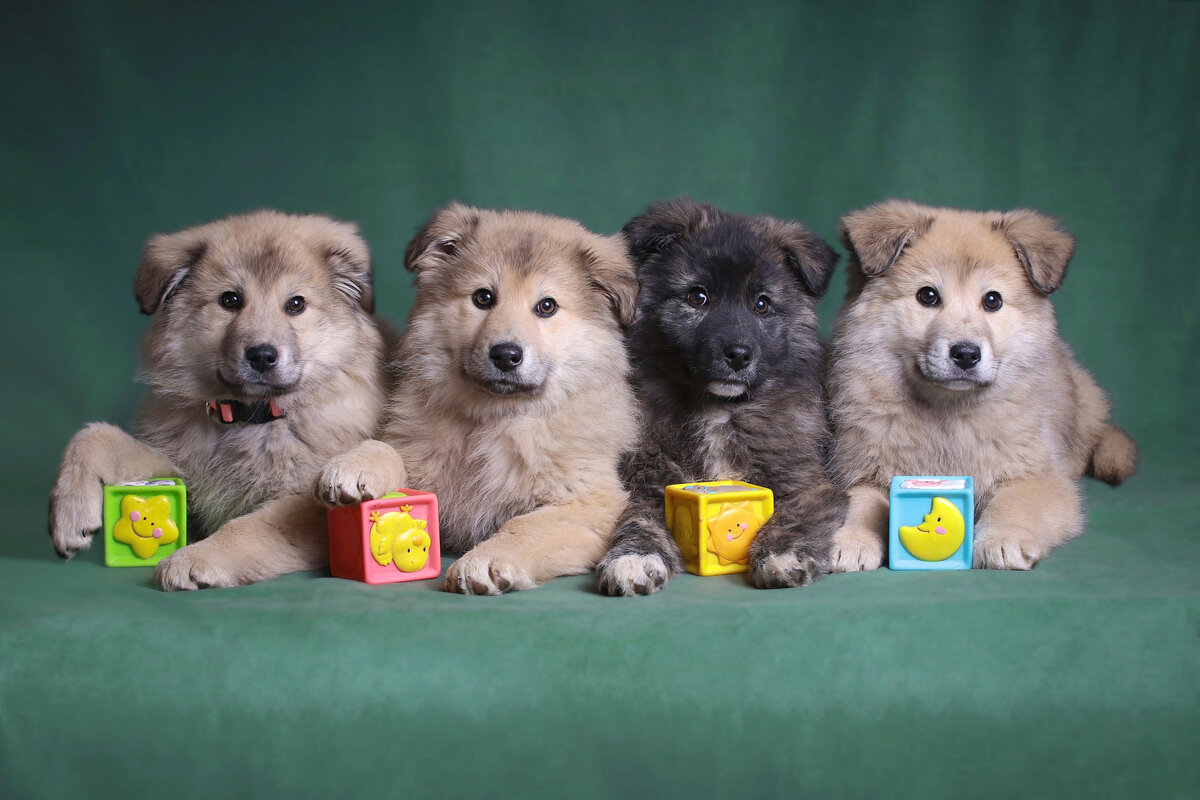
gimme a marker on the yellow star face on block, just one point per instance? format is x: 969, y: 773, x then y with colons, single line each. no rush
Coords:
x: 731, y: 533
x: 145, y: 524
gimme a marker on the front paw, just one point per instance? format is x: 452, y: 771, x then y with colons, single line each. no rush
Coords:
x: 632, y: 574
x: 350, y: 479
x: 784, y: 570
x: 480, y: 573
x: 75, y: 515
x: 1007, y: 548
x: 197, y: 566
x: 857, y: 549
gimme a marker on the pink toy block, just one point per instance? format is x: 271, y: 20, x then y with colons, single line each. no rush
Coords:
x: 389, y: 540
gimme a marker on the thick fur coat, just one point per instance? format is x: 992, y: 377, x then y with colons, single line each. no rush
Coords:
x: 947, y: 361
x: 252, y: 308
x: 512, y: 402
x: 728, y: 368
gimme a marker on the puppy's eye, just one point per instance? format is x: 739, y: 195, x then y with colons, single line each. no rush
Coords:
x: 483, y: 298
x: 294, y: 305
x: 928, y: 296
x: 698, y: 297
x: 763, y: 304
x: 230, y: 300
x: 992, y: 301
x: 545, y: 307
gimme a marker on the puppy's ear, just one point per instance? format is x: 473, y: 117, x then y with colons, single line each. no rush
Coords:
x: 1042, y: 247
x: 609, y: 269
x: 808, y: 254
x: 878, y: 234
x: 166, y: 260
x: 441, y: 237
x: 349, y: 259
x: 657, y: 231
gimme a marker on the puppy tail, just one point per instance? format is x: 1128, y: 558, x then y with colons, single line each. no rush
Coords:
x: 1115, y: 457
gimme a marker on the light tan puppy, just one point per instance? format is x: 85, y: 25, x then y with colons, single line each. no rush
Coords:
x: 511, y: 403
x: 947, y: 361
x: 268, y: 316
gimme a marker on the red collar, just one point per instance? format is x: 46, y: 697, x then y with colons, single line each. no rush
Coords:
x: 229, y: 412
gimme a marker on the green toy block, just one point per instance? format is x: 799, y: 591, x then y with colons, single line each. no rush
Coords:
x: 144, y: 521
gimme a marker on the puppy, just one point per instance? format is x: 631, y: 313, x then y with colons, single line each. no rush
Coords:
x: 947, y: 361
x: 263, y: 362
x: 512, y: 402
x: 728, y: 367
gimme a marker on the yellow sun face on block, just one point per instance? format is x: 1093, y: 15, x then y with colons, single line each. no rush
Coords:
x: 938, y: 536
x: 145, y: 524
x: 731, y: 532
x: 398, y: 538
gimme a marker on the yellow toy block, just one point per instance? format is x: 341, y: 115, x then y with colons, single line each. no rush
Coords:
x: 714, y: 523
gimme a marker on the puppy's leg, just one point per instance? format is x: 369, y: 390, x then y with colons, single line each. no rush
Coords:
x: 1027, y: 519
x: 643, y: 556
x: 370, y: 470
x: 535, y: 547
x: 861, y: 543
x: 284, y: 535
x: 98, y: 454
x: 793, y: 547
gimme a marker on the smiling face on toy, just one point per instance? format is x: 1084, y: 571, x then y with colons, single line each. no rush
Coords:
x: 938, y: 536
x: 730, y: 534
x: 397, y: 538
x: 145, y: 524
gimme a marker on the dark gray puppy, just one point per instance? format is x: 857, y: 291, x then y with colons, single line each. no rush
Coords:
x: 728, y: 365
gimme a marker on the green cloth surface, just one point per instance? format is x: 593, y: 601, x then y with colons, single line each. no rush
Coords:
x: 1079, y: 678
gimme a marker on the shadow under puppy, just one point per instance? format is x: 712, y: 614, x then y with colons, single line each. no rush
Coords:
x: 512, y: 403
x: 947, y: 361
x: 728, y: 365
x: 263, y: 362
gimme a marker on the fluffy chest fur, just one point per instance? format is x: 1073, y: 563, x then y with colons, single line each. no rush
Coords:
x: 232, y: 469
x: 485, y: 472
x: 772, y: 440
x: 1012, y: 430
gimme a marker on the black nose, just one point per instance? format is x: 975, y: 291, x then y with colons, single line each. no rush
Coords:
x: 964, y: 354
x: 262, y: 357
x: 737, y: 356
x: 506, y: 356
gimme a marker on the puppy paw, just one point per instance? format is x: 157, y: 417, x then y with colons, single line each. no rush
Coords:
x: 349, y: 479
x: 1010, y: 548
x: 75, y: 515
x: 784, y: 570
x: 479, y: 573
x: 857, y: 550
x: 632, y: 574
x: 194, y: 567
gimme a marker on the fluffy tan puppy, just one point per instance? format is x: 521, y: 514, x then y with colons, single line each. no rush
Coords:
x: 511, y: 403
x: 947, y: 361
x: 267, y: 317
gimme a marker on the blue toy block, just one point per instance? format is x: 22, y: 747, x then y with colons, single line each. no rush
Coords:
x: 931, y: 523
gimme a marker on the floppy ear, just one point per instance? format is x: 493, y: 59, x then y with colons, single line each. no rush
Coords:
x: 1042, y: 247
x: 876, y: 235
x: 656, y: 231
x: 166, y: 260
x: 610, y: 270
x: 349, y: 259
x: 440, y: 237
x: 808, y: 254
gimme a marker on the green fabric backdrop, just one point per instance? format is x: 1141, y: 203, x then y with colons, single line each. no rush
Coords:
x: 121, y: 120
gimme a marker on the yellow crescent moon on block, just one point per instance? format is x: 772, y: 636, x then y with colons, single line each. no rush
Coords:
x: 937, y: 537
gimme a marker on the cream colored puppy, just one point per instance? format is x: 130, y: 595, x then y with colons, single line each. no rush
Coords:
x: 512, y: 403
x: 263, y: 362
x: 947, y: 361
